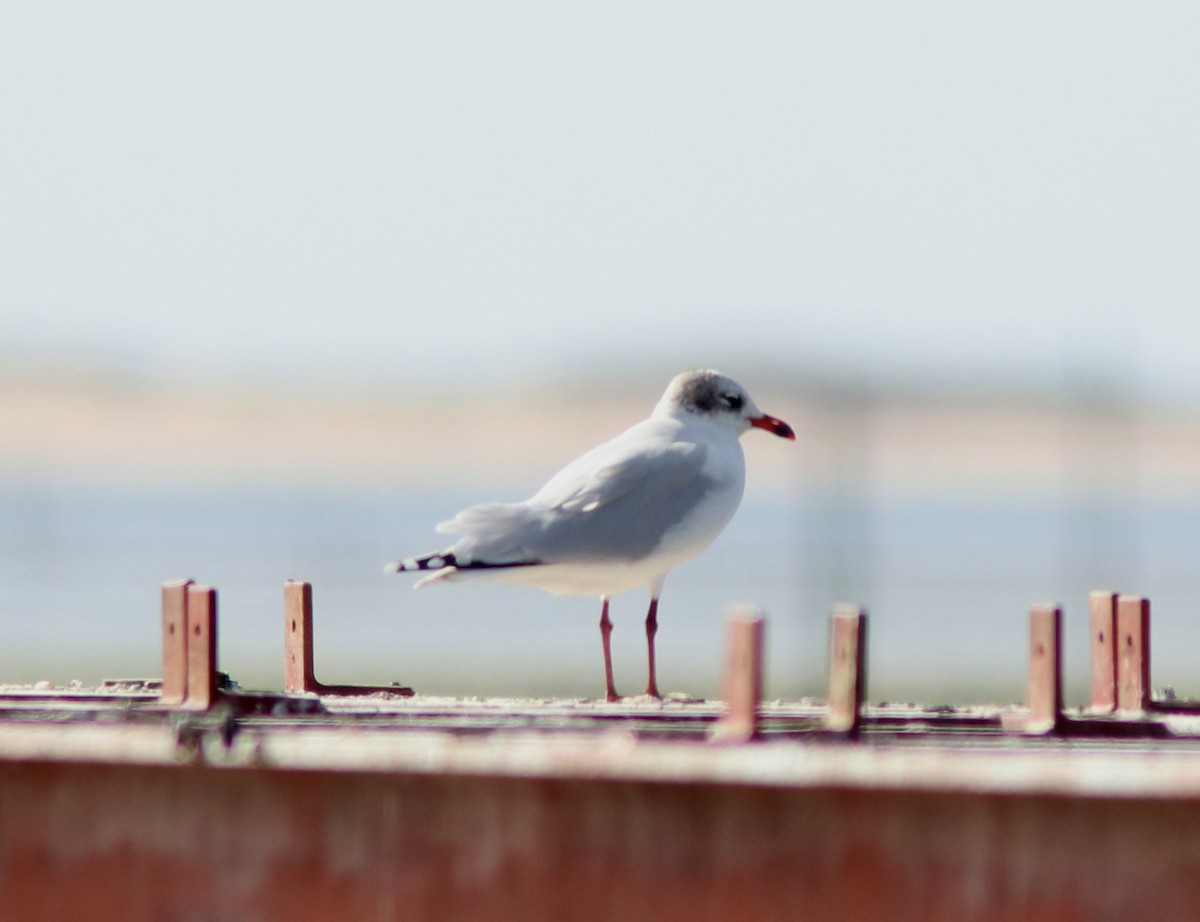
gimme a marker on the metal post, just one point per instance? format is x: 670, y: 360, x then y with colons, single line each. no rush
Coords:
x: 201, y: 647
x: 847, y: 669
x: 174, y: 638
x: 1102, y: 606
x: 299, y: 676
x: 1044, y: 696
x: 1133, y: 653
x: 743, y: 678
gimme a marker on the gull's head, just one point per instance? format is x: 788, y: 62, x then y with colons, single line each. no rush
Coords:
x: 712, y: 396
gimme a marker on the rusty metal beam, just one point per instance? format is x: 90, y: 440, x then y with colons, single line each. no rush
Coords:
x: 135, y: 844
x: 1102, y: 610
x: 743, y: 678
x: 847, y: 669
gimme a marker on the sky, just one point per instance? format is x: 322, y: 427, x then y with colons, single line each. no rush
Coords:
x: 456, y: 192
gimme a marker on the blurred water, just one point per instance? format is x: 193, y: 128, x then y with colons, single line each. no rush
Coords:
x: 947, y: 583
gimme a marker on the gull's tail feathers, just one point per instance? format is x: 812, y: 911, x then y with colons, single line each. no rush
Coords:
x: 446, y: 565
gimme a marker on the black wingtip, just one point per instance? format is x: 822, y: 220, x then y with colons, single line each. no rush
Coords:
x: 428, y: 562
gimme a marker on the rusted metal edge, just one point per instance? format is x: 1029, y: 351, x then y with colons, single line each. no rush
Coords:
x: 682, y: 720
x: 1140, y: 773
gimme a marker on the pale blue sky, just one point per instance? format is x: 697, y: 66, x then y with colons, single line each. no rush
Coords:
x: 483, y: 189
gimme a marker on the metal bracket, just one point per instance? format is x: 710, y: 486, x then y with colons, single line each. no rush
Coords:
x: 299, y: 673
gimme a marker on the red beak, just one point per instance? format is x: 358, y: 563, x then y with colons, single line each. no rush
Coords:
x: 775, y: 426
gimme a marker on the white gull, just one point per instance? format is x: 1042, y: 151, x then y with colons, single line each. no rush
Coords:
x: 622, y: 515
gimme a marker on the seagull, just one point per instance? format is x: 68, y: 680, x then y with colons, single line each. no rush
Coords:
x: 622, y: 515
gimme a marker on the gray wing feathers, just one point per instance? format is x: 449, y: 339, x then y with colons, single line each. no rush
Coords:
x: 620, y: 510
x: 623, y: 510
x: 494, y: 533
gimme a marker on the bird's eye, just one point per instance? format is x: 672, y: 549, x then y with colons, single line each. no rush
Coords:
x: 733, y: 401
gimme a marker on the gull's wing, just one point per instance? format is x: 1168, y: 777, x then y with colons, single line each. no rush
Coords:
x: 622, y: 510
x: 614, y: 503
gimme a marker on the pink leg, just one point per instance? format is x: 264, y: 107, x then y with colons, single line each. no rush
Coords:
x: 651, y: 630
x: 605, y: 632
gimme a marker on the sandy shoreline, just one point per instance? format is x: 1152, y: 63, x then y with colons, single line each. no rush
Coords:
x: 75, y: 429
